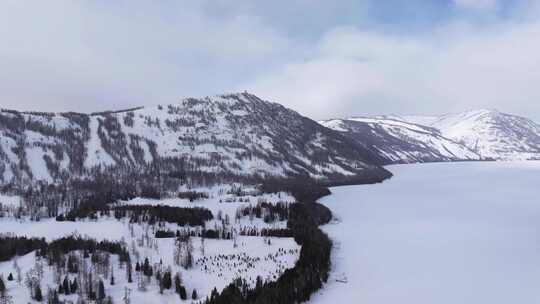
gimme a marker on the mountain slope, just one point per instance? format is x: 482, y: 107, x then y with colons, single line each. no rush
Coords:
x: 225, y: 137
x: 398, y: 141
x: 490, y: 133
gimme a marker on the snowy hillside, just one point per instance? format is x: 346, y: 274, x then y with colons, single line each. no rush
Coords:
x: 398, y: 141
x: 490, y: 133
x: 226, y: 136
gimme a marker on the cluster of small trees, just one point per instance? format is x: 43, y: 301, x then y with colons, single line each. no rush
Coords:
x: 297, y: 284
x: 78, y: 265
x: 192, y: 195
x: 151, y: 214
x: 12, y: 246
x: 267, y: 211
x: 267, y: 232
x: 163, y: 277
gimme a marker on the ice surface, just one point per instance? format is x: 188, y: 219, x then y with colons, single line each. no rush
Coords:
x: 438, y: 233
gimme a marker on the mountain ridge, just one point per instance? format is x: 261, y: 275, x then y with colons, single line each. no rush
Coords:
x: 223, y: 137
x: 488, y: 133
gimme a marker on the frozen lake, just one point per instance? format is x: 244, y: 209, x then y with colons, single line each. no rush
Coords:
x: 438, y: 233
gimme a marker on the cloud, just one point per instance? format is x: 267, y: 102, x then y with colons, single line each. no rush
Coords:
x: 457, y: 66
x: 477, y: 4
x: 89, y: 56
x: 102, y: 55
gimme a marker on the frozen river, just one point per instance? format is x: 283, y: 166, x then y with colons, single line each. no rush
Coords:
x: 436, y: 234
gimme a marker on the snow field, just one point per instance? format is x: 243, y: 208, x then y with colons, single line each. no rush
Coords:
x: 221, y: 263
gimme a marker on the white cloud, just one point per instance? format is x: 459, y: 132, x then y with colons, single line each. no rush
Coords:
x: 458, y: 66
x: 477, y: 4
x: 88, y: 56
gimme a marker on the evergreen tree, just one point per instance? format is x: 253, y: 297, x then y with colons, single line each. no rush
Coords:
x: 177, y: 283
x: 74, y: 286
x: 147, y: 269
x: 10, y: 277
x: 65, y: 286
x: 101, y: 291
x: 112, y: 275
x: 129, y: 270
x: 2, y: 287
x: 183, y: 293
x: 194, y: 295
x: 166, y: 280
x: 38, y: 296
x: 90, y: 290
x: 52, y: 297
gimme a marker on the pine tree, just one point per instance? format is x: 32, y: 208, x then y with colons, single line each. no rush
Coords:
x: 52, y: 297
x: 129, y: 270
x: 90, y: 290
x: 112, y: 275
x: 2, y: 287
x: 74, y: 286
x: 194, y: 295
x: 147, y: 269
x: 10, y: 277
x: 166, y: 280
x: 38, y: 296
x: 177, y: 283
x: 65, y: 286
x: 101, y: 291
x: 183, y: 293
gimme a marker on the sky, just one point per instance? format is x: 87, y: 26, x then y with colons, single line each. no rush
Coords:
x: 325, y: 59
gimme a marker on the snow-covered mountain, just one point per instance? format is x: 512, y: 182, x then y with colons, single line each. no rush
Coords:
x: 399, y: 141
x: 236, y: 135
x: 470, y: 135
x: 490, y: 133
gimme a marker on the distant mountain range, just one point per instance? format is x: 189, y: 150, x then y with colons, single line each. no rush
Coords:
x: 242, y: 137
x: 470, y: 135
x: 227, y: 137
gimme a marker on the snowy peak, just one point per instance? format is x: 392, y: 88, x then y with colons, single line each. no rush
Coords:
x: 476, y: 134
x: 490, y: 133
x: 399, y: 141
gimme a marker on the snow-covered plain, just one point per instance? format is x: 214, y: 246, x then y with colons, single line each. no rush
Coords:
x: 438, y: 233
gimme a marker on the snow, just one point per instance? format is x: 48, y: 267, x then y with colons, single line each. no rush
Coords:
x: 96, y: 154
x: 489, y: 132
x: 198, y: 278
x: 258, y: 257
x: 34, y: 156
x: 427, y: 141
x: 10, y: 200
x: 438, y: 233
x: 195, y: 278
x: 219, y: 200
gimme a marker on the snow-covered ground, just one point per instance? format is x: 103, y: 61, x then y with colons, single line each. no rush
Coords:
x: 226, y: 260
x: 438, y: 233
x: 9, y: 200
x: 266, y: 260
x: 219, y: 200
